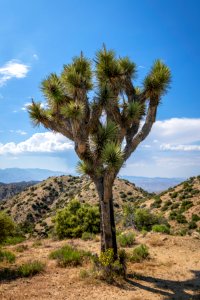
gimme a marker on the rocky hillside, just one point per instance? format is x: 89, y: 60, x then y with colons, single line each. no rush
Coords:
x: 11, y: 189
x: 37, y: 204
x: 180, y: 205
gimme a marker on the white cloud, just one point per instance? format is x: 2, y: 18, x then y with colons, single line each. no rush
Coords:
x: 25, y: 106
x: 12, y: 69
x: 39, y: 142
x: 180, y: 147
x: 176, y: 131
x: 19, y: 131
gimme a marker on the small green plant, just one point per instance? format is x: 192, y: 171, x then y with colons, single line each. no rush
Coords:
x: 21, y: 248
x: 195, y: 218
x: 14, y: 240
x: 192, y: 225
x: 7, y: 256
x: 126, y: 239
x: 161, y: 228
x: 69, y: 256
x: 107, y: 267
x: 31, y: 268
x: 86, y: 236
x: 139, y: 253
x: 37, y: 243
x: 7, y: 226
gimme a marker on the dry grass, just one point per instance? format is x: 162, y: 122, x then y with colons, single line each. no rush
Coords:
x: 172, y: 272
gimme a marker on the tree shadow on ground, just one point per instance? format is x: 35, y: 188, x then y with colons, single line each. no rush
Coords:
x: 170, y: 289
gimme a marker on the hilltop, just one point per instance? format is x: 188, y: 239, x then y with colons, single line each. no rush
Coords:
x: 10, y: 189
x: 180, y: 205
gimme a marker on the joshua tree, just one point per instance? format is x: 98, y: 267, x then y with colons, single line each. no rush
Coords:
x: 97, y: 106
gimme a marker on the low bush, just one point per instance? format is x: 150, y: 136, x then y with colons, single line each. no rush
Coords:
x: 192, y: 225
x: 195, y: 218
x: 7, y: 256
x: 86, y: 236
x: 126, y: 239
x: 14, y: 240
x: 30, y: 268
x: 106, y: 267
x: 69, y: 256
x: 161, y: 228
x: 144, y: 219
x: 7, y: 226
x: 139, y: 253
x: 76, y: 219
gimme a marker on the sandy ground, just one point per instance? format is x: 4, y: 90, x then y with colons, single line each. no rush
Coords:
x: 172, y: 272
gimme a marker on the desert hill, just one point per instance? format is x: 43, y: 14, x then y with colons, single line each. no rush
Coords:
x: 36, y: 205
x: 180, y: 205
x: 8, y: 190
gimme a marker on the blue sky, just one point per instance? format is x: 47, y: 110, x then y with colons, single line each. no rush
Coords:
x: 38, y: 37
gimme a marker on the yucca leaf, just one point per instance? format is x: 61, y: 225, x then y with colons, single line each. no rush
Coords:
x: 77, y: 75
x: 73, y: 110
x: 158, y: 81
x: 84, y: 168
x: 112, y: 156
x: 128, y: 67
x: 53, y: 90
x: 135, y: 110
x: 37, y: 114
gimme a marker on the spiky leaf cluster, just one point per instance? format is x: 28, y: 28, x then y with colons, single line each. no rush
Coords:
x: 112, y: 156
x: 77, y: 75
x: 73, y: 110
x: 157, y: 82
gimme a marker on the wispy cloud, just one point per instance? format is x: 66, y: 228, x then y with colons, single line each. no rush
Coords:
x: 12, y: 69
x: 180, y: 147
x: 19, y: 131
x: 39, y: 142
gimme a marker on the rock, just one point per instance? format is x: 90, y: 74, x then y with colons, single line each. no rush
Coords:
x: 196, y: 235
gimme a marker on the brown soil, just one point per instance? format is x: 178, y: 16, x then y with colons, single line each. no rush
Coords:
x: 172, y: 272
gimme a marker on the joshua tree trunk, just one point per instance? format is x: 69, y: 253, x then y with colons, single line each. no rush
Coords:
x: 104, y: 187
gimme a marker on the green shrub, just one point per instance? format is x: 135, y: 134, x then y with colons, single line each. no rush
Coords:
x: 181, y: 218
x: 31, y: 268
x: 192, y: 225
x: 7, y: 256
x: 76, y: 219
x: 139, y: 253
x: 69, y: 256
x: 144, y: 219
x: 185, y: 205
x: 128, y: 215
x: 161, y: 228
x: 157, y: 202
x: 195, y: 218
x: 14, y: 240
x: 126, y: 239
x: 108, y: 267
x: 86, y: 236
x: 7, y: 226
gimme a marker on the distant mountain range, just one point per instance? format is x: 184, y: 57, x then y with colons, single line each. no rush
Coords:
x: 19, y: 175
x: 156, y: 184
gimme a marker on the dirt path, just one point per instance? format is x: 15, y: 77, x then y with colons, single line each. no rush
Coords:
x: 172, y: 272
